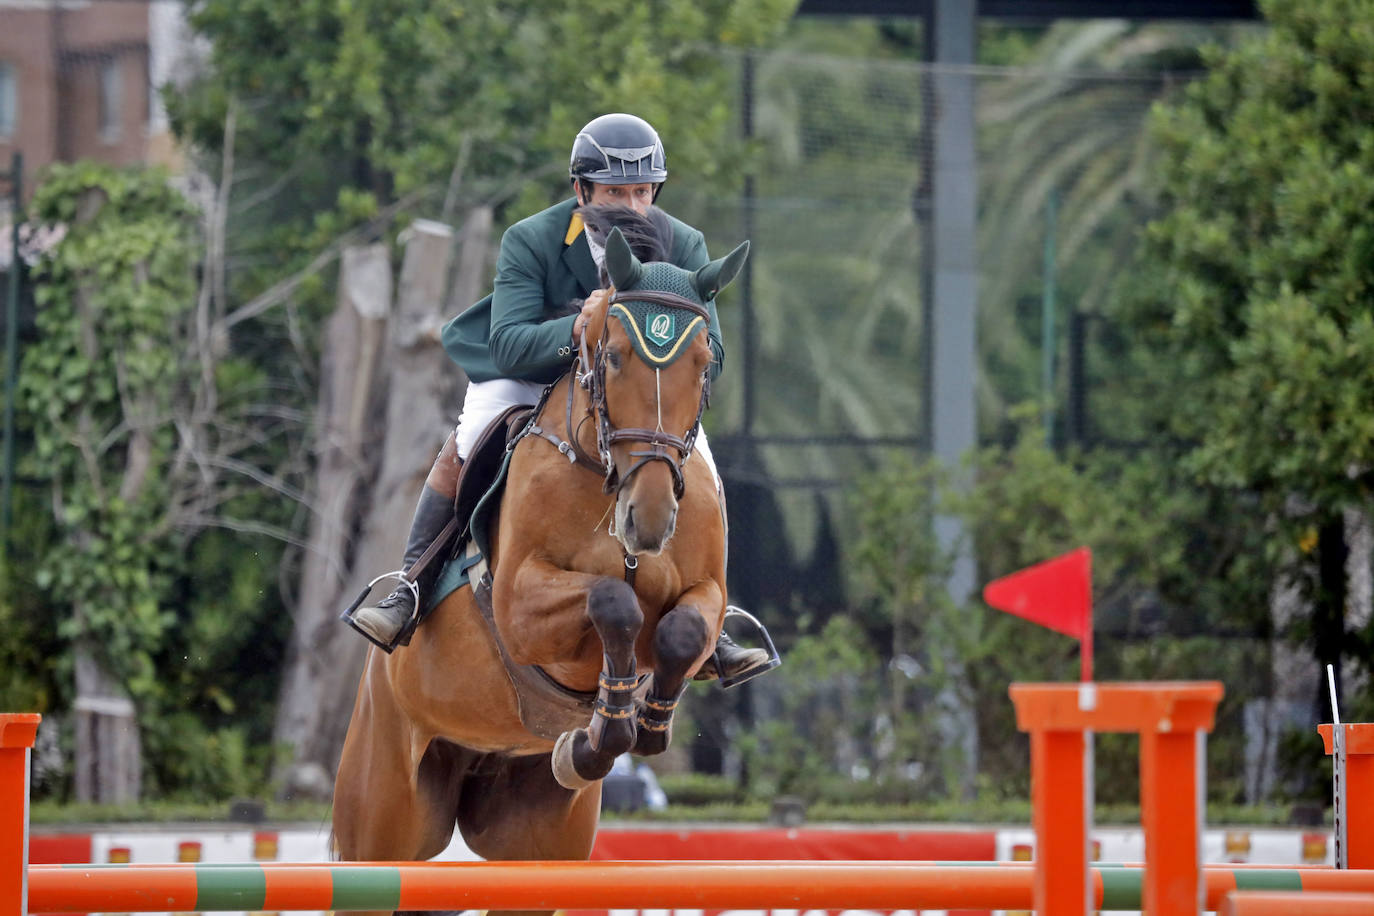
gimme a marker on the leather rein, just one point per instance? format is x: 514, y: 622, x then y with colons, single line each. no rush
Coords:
x: 593, y: 381
x: 589, y: 373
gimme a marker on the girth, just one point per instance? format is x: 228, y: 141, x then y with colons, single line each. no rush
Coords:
x: 547, y: 708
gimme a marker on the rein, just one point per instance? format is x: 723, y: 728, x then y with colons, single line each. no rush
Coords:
x: 593, y: 381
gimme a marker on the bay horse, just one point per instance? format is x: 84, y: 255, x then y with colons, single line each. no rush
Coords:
x: 607, y: 592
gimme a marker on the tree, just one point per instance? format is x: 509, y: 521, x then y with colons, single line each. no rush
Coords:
x: 1258, y: 317
x: 138, y: 427
x: 349, y: 110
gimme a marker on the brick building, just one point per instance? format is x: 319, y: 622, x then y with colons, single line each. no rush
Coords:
x: 77, y: 80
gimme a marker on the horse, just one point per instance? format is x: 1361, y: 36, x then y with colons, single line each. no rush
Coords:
x: 606, y: 590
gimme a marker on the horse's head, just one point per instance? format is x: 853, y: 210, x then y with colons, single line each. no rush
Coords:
x: 649, y: 382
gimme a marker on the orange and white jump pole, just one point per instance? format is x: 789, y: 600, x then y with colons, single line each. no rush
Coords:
x: 17, y: 733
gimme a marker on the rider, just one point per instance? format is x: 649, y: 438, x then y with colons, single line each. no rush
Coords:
x: 525, y: 334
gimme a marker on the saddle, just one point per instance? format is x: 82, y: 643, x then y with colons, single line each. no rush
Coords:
x: 479, y: 486
x: 485, y: 467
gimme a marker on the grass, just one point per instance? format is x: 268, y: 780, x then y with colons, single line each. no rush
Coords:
x: 54, y: 814
x: 51, y: 813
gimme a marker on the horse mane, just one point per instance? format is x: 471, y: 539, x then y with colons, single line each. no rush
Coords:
x: 650, y: 236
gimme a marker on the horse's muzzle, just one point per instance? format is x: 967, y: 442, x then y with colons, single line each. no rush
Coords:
x: 644, y: 526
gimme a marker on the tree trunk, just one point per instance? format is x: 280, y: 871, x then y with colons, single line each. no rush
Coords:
x: 348, y: 423
x: 1328, y: 611
x: 366, y: 507
x: 108, y: 749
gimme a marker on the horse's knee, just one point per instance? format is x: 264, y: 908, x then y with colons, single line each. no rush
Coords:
x: 614, y: 611
x: 680, y: 638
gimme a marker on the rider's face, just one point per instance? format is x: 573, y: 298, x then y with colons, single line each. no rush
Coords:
x: 638, y: 197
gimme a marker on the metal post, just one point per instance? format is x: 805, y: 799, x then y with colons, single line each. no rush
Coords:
x: 1047, y: 318
x: 747, y: 275
x: 954, y: 272
x: 1076, y: 418
x: 11, y: 355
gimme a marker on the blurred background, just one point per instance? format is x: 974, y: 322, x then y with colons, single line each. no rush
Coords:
x: 1022, y: 279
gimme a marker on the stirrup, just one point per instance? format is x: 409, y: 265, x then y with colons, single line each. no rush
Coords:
x: 761, y: 632
x: 403, y: 634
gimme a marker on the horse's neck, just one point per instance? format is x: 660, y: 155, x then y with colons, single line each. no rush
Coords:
x: 568, y: 419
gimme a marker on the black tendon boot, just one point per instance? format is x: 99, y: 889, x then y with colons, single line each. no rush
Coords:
x: 384, y: 622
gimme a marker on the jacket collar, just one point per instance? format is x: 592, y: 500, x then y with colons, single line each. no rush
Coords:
x: 577, y: 256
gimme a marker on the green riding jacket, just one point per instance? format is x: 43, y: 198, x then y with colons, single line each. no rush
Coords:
x: 523, y: 329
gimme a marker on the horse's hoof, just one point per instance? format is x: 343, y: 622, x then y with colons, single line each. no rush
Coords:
x: 564, y: 770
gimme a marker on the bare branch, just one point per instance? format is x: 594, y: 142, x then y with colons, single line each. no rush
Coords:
x: 198, y: 522
x: 266, y: 193
x: 269, y: 481
x: 282, y: 291
x: 455, y: 180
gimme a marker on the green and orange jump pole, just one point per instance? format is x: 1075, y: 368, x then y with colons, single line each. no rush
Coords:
x: 715, y: 885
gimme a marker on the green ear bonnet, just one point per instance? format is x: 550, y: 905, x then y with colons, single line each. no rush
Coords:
x: 658, y: 331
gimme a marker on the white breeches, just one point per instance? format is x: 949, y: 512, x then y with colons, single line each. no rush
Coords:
x: 485, y: 401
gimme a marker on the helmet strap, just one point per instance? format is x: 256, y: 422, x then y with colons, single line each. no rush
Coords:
x: 582, y: 190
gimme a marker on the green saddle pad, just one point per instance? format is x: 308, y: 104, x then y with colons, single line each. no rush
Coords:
x: 455, y: 572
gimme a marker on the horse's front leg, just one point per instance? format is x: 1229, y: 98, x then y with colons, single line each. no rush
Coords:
x: 681, y: 644
x: 585, y: 755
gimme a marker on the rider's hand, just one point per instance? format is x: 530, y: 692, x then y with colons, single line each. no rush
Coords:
x: 595, y: 301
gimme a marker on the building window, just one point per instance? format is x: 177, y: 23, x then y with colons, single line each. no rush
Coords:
x: 9, y: 100
x: 111, y: 100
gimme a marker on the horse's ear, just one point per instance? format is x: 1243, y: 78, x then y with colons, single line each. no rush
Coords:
x: 622, y: 266
x: 717, y: 275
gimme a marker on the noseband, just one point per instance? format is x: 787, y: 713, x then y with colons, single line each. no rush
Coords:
x: 658, y: 442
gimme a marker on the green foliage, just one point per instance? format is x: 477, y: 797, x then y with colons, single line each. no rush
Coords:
x: 31, y: 666
x: 1176, y: 582
x: 116, y: 394
x: 813, y: 725
x: 1266, y: 259
x: 1254, y: 313
x: 696, y: 789
x: 190, y: 762
x: 386, y: 95
x: 98, y: 388
x: 165, y: 811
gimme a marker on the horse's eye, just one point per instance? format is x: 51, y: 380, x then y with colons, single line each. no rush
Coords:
x: 613, y: 359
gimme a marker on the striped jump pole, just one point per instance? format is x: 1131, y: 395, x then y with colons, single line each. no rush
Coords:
x: 17, y: 734
x: 619, y: 885
x: 1287, y: 903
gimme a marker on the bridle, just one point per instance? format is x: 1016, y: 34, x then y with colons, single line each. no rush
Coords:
x: 590, y: 374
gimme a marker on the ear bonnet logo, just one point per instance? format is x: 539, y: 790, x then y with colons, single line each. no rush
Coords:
x: 660, y: 328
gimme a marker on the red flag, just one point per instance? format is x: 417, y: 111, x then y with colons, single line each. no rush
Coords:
x: 1056, y: 594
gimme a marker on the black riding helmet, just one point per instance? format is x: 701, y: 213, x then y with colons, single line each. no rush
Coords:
x: 618, y: 149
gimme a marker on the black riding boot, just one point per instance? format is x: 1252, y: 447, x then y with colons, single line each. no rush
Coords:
x: 383, y: 622
x: 731, y: 660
